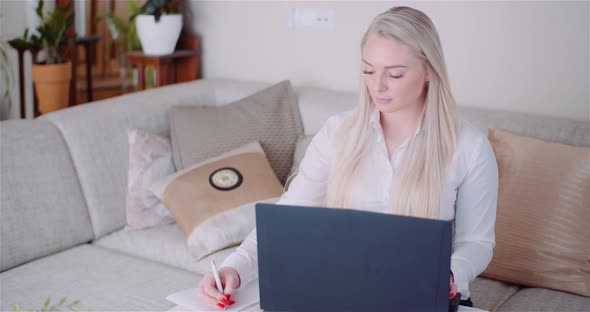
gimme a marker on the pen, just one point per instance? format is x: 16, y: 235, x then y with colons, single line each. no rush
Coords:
x: 217, y: 278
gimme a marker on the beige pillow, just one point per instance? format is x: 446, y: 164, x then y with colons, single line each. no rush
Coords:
x: 270, y: 116
x: 207, y: 199
x: 543, y: 216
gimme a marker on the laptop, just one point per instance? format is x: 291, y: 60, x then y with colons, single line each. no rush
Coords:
x: 325, y: 259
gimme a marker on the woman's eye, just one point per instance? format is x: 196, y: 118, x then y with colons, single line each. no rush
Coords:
x: 367, y: 72
x: 396, y: 77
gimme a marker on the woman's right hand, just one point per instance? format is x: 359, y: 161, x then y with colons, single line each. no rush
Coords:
x: 230, y: 280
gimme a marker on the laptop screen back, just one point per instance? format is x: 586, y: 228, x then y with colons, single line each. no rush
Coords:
x: 323, y: 259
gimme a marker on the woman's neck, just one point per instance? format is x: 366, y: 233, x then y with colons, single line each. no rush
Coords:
x: 400, y: 125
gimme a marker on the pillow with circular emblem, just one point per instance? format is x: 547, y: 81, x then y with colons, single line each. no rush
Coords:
x: 210, y: 200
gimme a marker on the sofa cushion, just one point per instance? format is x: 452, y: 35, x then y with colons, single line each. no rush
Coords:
x: 150, y: 158
x: 269, y: 116
x: 540, y: 300
x: 102, y: 279
x: 547, y: 128
x: 162, y: 243
x: 543, y: 220
x: 317, y: 105
x: 96, y: 135
x: 489, y: 295
x: 43, y: 210
x: 213, y: 201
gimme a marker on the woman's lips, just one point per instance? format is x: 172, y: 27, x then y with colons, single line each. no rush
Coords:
x: 382, y: 100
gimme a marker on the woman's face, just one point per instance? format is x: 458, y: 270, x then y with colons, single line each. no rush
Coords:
x: 395, y: 77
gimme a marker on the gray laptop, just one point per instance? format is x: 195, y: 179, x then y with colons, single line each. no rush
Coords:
x: 321, y: 259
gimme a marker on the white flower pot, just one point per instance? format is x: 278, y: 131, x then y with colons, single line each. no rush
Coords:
x: 158, y: 38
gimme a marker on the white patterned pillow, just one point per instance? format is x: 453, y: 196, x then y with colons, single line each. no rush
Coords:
x: 150, y: 158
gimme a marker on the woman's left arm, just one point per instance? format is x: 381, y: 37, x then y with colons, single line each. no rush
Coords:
x: 475, y: 216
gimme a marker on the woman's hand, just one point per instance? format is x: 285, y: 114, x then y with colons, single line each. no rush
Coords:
x: 230, y: 280
x: 453, y: 287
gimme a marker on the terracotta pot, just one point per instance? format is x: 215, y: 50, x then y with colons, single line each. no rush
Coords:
x: 52, y: 85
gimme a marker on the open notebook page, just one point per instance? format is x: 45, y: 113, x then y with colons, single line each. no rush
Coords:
x: 189, y: 299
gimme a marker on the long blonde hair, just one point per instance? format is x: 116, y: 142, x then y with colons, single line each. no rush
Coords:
x: 418, y: 183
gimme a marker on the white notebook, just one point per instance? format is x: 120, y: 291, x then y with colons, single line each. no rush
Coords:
x: 188, y: 300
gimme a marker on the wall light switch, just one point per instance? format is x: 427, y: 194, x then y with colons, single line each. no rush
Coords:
x: 310, y: 19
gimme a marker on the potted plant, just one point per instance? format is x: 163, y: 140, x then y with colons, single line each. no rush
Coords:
x: 159, y: 23
x: 125, y: 36
x: 47, y: 307
x: 52, y: 78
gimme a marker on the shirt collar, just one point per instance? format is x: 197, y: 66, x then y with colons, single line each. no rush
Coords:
x: 375, y: 121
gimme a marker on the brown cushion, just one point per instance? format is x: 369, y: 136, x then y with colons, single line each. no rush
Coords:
x: 208, y: 200
x: 543, y: 216
x: 270, y: 116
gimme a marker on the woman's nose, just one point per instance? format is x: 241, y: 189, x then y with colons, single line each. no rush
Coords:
x: 380, y: 84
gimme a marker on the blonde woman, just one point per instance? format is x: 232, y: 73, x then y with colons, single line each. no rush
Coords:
x: 403, y: 150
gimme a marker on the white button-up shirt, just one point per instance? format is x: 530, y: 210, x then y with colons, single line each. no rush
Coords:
x: 469, y: 197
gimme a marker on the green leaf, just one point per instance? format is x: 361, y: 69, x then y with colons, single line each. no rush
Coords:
x: 62, y: 301
x: 69, y: 20
x: 133, y: 7
x: 39, y: 9
x: 15, y: 308
x: 47, y: 301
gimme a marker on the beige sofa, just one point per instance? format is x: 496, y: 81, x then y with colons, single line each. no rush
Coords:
x: 63, y: 187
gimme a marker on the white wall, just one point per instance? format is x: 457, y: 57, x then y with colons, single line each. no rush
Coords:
x: 519, y: 56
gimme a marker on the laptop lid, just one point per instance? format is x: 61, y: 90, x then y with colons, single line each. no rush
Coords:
x: 323, y: 259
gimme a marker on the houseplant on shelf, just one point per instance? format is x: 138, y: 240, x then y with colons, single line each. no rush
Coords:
x: 159, y: 23
x: 125, y: 36
x: 52, y: 77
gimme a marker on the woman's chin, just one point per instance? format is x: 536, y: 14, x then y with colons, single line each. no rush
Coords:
x: 389, y: 107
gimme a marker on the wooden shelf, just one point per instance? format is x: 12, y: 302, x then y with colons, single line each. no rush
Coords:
x: 182, y: 65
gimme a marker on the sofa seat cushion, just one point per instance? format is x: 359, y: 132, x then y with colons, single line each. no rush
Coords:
x: 162, y: 243
x: 540, y: 299
x: 102, y: 279
x: 488, y: 294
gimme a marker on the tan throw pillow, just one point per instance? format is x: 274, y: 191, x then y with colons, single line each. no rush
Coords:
x: 543, y: 216
x: 270, y: 116
x: 203, y: 196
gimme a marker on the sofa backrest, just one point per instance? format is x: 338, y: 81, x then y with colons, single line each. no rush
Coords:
x: 316, y: 105
x: 41, y: 204
x: 96, y: 137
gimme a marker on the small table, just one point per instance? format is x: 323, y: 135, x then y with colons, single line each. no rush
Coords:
x: 86, y: 41
x: 179, y: 66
